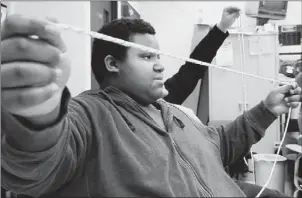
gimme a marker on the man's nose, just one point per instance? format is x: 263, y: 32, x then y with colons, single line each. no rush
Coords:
x: 158, y: 67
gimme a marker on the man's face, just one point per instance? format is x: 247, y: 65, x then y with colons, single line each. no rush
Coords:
x: 141, y: 73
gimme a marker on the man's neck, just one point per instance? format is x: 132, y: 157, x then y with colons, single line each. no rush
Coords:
x: 150, y: 108
x: 155, y: 114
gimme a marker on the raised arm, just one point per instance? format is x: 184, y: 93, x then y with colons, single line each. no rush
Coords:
x: 237, y: 137
x: 182, y: 84
x: 36, y: 161
x: 44, y: 140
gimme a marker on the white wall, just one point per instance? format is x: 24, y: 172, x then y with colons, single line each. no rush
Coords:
x: 174, y: 30
x: 174, y: 22
x: 73, y: 13
x: 135, y: 5
x: 212, y: 11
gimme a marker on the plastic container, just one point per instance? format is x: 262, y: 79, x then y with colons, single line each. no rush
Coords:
x: 263, y: 164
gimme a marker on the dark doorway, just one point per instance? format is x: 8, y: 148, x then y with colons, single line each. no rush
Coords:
x: 101, y: 12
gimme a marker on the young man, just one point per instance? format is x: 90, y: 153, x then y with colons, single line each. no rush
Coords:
x: 123, y: 140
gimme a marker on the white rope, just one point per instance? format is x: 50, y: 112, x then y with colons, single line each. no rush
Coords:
x: 244, y: 83
x: 278, y: 152
x: 279, y: 148
x: 97, y: 35
x: 242, y: 52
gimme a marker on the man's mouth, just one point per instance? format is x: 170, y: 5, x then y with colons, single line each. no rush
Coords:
x: 159, y: 78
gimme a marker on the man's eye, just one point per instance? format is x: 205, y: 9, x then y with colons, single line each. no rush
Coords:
x: 148, y: 57
x: 151, y: 56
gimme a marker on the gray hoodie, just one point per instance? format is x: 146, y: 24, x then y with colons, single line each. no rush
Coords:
x: 105, y: 144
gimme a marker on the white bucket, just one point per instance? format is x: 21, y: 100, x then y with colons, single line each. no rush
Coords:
x: 263, y: 164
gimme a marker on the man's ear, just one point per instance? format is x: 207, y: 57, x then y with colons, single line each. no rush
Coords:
x: 111, y: 64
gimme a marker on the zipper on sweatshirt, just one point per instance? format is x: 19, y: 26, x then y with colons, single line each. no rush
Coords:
x: 202, y: 186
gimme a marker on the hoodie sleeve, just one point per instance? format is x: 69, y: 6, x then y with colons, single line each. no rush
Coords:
x: 237, y: 138
x: 182, y: 84
x: 56, y: 152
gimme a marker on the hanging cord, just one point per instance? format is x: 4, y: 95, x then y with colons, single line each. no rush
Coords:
x: 278, y: 152
x: 242, y: 52
x: 258, y: 68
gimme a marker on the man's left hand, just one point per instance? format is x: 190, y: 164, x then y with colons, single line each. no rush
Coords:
x: 282, y: 98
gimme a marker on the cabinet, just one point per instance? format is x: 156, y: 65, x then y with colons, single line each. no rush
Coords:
x: 221, y: 95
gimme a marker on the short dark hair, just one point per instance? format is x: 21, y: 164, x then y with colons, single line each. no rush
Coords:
x: 122, y: 28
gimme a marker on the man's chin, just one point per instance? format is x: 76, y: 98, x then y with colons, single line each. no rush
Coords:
x: 162, y: 93
x: 165, y: 92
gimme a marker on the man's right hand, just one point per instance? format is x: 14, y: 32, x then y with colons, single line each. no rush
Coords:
x: 34, y: 70
x: 228, y: 18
